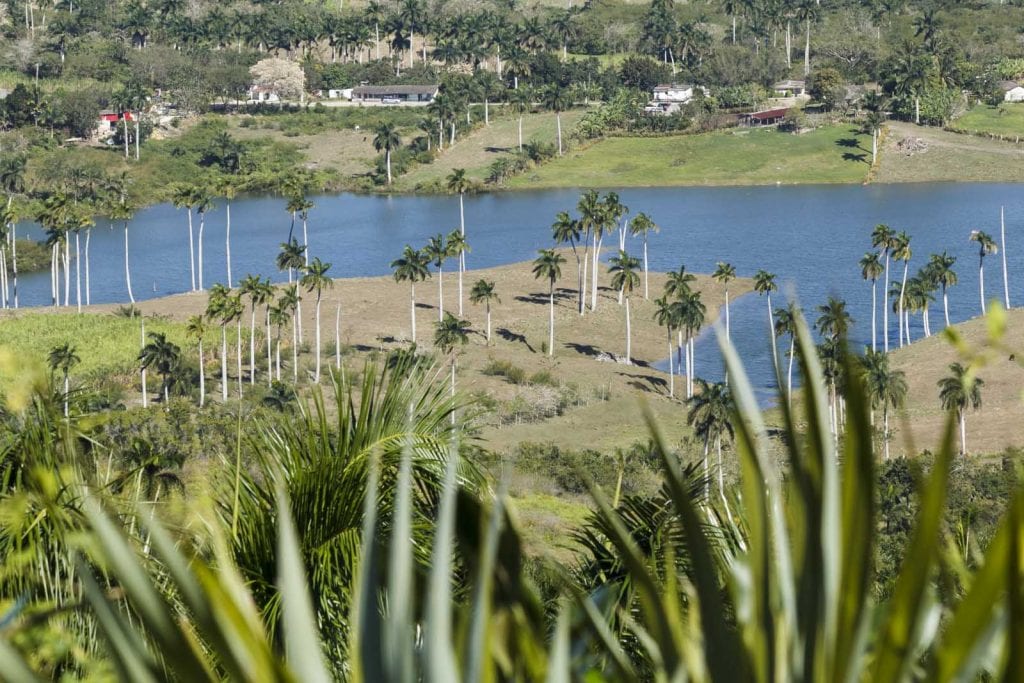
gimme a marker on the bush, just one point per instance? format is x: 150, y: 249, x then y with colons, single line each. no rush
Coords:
x: 503, y: 368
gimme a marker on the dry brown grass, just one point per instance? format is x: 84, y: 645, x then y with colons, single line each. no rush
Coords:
x: 1000, y: 421
x: 349, y: 152
x: 375, y: 316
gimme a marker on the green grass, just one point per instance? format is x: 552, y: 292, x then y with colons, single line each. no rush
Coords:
x: 107, y: 344
x: 1007, y: 119
x: 735, y: 157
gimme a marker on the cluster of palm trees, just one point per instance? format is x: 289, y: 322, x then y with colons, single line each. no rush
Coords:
x: 414, y: 266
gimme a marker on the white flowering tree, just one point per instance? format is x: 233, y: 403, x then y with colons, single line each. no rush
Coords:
x: 282, y: 76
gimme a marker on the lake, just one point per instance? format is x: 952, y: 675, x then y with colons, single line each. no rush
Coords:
x: 810, y: 236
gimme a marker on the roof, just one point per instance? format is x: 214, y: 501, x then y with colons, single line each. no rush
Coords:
x: 394, y: 90
x: 769, y: 113
x: 673, y: 86
x: 788, y: 85
x: 1009, y: 85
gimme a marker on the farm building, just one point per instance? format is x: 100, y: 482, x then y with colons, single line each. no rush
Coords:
x: 1012, y: 91
x: 394, y: 94
x: 769, y: 117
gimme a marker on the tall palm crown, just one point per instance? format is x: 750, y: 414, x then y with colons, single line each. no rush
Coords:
x: 458, y: 183
x: 678, y: 283
x: 882, y: 237
x: 520, y: 100
x: 457, y: 244
x: 484, y: 292
x: 217, y: 299
x: 764, y: 282
x: 566, y: 229
x: 624, y: 272
x: 12, y: 173
x: 871, y: 267
x: 886, y: 387
x: 589, y: 206
x: 900, y: 247
x: 834, y: 320
x: 314, y: 277
x: 941, y: 267
x: 642, y: 224
x: 289, y: 299
x: 196, y: 327
x: 692, y: 312
x: 62, y: 358
x: 613, y: 208
x: 724, y: 272
x: 548, y: 265
x: 667, y: 313
x: 710, y: 410
x: 411, y: 266
x: 986, y: 245
x: 161, y: 355
x: 785, y: 321
x: 960, y: 390
x: 291, y: 256
x: 386, y: 137
x: 450, y: 332
x: 437, y: 250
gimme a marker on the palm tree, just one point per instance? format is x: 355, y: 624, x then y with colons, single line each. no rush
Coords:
x: 163, y: 356
x: 457, y: 248
x: 874, y: 103
x: 807, y: 11
x: 9, y: 219
x: 291, y: 257
x: 882, y: 238
x: 216, y: 304
x: 725, y: 273
x: 901, y: 252
x: 290, y: 302
x: 567, y: 230
x: 549, y: 265
x: 196, y: 328
x: 437, y: 252
x: 556, y: 98
x: 642, y: 225
x: 63, y: 358
x: 835, y: 320
x: 885, y: 387
x: 942, y: 271
x: 459, y: 184
x: 279, y: 317
x: 121, y: 211
x: 986, y: 246
x: 315, y: 280
x: 411, y: 267
x: 483, y: 292
x: 764, y: 283
x: 305, y: 205
x: 203, y: 203
x: 692, y: 315
x: 710, y: 415
x: 449, y: 333
x: 185, y: 197
x: 871, y: 269
x: 666, y: 314
x: 625, y: 279
x: 259, y: 292
x: 385, y: 139
x: 959, y: 391
x: 520, y: 102
x: 785, y: 324
x: 226, y: 188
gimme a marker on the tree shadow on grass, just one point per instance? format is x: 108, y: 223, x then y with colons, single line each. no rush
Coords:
x: 850, y: 156
x: 510, y: 336
x: 647, y: 383
x: 542, y: 297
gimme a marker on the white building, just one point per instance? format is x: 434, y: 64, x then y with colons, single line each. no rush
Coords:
x: 790, y: 88
x: 677, y: 93
x: 1012, y: 91
x: 259, y: 93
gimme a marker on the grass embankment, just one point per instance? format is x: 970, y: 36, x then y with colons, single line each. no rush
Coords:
x: 948, y: 157
x: 989, y: 430
x: 836, y: 154
x: 1006, y: 119
x: 482, y: 147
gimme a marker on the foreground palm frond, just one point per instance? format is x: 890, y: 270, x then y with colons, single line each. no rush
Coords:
x: 321, y: 458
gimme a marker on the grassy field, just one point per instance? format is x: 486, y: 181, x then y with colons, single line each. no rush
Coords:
x: 478, y: 150
x: 107, y: 344
x: 1005, y: 119
x: 734, y: 157
x: 949, y: 157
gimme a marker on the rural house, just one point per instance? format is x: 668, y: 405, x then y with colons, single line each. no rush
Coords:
x: 769, y: 117
x: 1012, y: 91
x: 109, y: 120
x: 259, y: 93
x: 394, y: 94
x: 790, y: 88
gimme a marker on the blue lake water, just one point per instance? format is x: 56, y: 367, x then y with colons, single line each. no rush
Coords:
x: 811, y: 236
